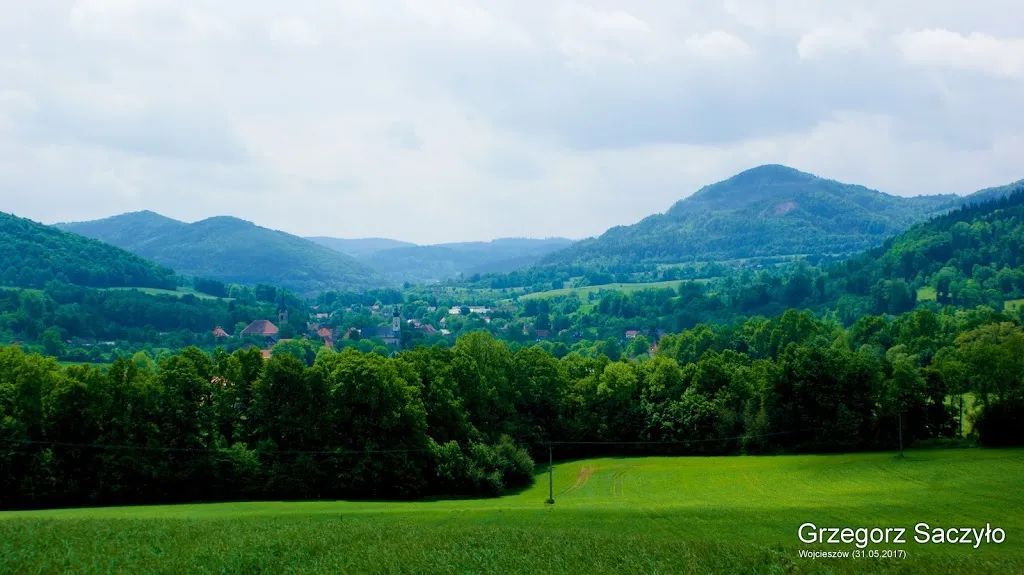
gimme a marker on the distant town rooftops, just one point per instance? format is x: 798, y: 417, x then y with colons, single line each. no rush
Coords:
x: 260, y: 327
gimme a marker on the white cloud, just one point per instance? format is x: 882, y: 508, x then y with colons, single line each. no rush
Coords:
x: 467, y: 21
x: 975, y: 51
x: 719, y: 45
x: 293, y: 30
x: 822, y: 42
x: 470, y: 119
x: 589, y: 36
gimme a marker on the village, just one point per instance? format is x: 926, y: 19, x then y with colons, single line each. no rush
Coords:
x: 265, y: 334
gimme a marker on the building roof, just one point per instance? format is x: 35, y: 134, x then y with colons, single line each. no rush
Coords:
x: 324, y: 332
x: 260, y: 327
x: 322, y: 316
x: 219, y: 332
x: 427, y: 329
x: 632, y: 333
x: 381, y: 332
x: 266, y: 353
x: 543, y: 333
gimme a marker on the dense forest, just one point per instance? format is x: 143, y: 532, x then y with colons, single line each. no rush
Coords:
x: 465, y: 420
x: 32, y: 254
x: 77, y: 323
x: 232, y: 251
x: 404, y: 264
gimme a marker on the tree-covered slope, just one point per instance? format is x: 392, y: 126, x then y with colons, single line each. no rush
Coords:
x: 32, y: 254
x: 765, y: 211
x: 438, y: 262
x: 356, y: 247
x: 232, y: 250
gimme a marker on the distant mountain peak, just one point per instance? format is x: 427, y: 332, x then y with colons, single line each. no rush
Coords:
x: 766, y: 183
x: 764, y: 212
x: 772, y: 171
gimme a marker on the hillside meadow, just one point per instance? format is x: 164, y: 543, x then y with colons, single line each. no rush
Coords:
x: 612, y: 515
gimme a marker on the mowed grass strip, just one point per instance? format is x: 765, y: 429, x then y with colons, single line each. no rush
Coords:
x: 180, y: 292
x: 612, y: 515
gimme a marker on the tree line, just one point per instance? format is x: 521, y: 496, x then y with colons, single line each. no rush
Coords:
x: 468, y: 420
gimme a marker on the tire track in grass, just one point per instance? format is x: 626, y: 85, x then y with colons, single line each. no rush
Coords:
x: 581, y: 479
x: 618, y: 481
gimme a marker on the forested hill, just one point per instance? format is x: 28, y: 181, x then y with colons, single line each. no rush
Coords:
x: 31, y: 254
x: 404, y: 262
x: 356, y: 247
x: 766, y: 211
x: 231, y: 250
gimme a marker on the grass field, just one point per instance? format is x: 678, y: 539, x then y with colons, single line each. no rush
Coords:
x: 623, y: 287
x: 927, y: 293
x: 1013, y: 304
x: 181, y: 291
x: 612, y: 515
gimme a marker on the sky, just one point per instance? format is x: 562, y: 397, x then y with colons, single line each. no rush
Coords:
x: 444, y: 120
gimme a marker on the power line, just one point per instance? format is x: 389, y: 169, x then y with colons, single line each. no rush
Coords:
x: 208, y: 450
x: 673, y: 442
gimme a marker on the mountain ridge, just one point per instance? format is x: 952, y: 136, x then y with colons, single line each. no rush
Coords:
x: 766, y: 211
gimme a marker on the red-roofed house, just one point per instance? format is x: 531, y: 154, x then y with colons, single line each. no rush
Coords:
x: 261, y: 328
x: 219, y: 332
x: 266, y: 353
x: 630, y: 334
x: 324, y: 333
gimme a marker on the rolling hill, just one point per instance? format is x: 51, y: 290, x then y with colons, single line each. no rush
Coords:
x: 767, y: 211
x: 32, y: 254
x: 231, y: 250
x: 406, y: 262
x: 357, y: 247
x: 418, y: 264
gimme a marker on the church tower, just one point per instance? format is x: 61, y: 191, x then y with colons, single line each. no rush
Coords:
x: 396, y: 323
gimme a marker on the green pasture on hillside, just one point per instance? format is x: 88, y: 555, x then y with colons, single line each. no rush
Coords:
x: 612, y: 515
x: 181, y: 291
x: 1013, y: 304
x: 622, y: 287
x: 927, y: 293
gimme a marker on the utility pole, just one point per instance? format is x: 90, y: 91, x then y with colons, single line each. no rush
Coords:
x: 551, y: 476
x: 901, y: 433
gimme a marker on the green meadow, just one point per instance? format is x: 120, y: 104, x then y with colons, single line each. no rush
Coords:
x: 180, y: 292
x: 611, y: 515
x: 621, y: 287
x: 926, y: 293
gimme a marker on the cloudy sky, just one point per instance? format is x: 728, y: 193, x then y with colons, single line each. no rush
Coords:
x: 442, y: 120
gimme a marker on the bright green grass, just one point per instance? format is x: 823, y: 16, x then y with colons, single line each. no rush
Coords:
x: 181, y: 291
x: 1013, y: 304
x: 927, y: 293
x: 625, y: 515
x: 622, y: 287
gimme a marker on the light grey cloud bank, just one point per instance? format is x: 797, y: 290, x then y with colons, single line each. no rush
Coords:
x: 431, y: 120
